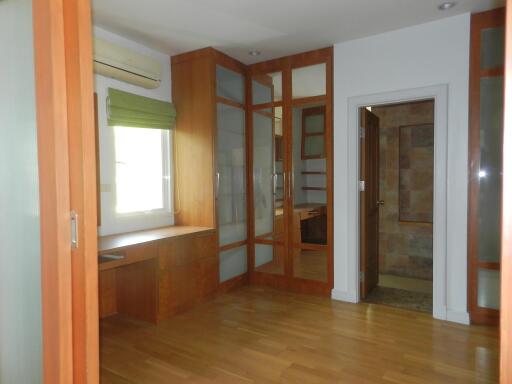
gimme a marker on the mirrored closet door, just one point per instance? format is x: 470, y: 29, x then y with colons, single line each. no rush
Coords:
x: 291, y: 160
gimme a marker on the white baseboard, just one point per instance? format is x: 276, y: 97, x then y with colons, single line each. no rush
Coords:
x: 457, y: 317
x: 349, y: 297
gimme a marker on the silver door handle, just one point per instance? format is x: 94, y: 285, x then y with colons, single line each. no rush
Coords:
x: 380, y: 202
x: 217, y: 184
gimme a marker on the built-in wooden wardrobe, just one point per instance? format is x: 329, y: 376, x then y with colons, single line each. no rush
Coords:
x: 253, y: 159
x: 290, y: 188
x: 209, y: 90
x: 485, y: 165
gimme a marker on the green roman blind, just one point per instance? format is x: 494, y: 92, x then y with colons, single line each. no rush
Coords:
x: 129, y: 110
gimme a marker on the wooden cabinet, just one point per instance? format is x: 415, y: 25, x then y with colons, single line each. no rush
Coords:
x: 290, y: 199
x: 210, y: 189
x: 485, y: 171
x: 173, y: 271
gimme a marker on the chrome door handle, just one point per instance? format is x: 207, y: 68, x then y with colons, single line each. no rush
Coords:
x: 217, y: 184
x: 380, y: 202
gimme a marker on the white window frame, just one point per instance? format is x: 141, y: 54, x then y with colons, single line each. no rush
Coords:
x: 166, y: 175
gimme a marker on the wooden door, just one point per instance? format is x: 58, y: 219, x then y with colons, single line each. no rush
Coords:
x: 369, y: 202
x: 281, y: 183
x: 67, y: 180
x: 506, y: 234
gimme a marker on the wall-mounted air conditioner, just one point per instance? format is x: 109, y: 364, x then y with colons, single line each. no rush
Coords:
x: 126, y: 65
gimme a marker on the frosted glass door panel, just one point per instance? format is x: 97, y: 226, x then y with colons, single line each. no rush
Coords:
x: 233, y: 263
x: 230, y: 85
x: 488, y: 288
x: 492, y: 53
x: 309, y: 81
x: 231, y: 168
x: 20, y: 267
x: 489, y: 176
x: 269, y: 258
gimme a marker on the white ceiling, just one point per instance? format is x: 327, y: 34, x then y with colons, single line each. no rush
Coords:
x: 274, y: 27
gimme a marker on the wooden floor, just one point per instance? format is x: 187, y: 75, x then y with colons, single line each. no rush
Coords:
x: 258, y: 335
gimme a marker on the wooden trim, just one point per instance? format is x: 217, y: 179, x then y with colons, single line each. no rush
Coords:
x: 227, y: 247
x: 313, y: 173
x: 314, y: 189
x: 233, y: 283
x: 54, y: 194
x: 506, y: 234
x: 311, y: 247
x: 479, y: 21
x: 489, y: 265
x: 273, y: 104
x: 231, y: 103
x: 495, y: 72
x: 309, y: 100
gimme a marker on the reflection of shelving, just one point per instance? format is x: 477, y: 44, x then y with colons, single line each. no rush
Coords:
x: 314, y: 173
x: 314, y: 188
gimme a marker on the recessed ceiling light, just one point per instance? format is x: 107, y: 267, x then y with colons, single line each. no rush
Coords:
x: 254, y: 52
x: 447, y: 5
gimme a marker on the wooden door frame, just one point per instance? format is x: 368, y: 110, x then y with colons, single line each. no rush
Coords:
x: 67, y: 169
x: 506, y: 231
x: 439, y: 93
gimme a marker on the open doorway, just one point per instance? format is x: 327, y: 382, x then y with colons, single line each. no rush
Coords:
x: 397, y: 174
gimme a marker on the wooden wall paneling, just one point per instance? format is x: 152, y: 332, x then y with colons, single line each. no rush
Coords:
x: 479, y: 21
x: 193, y: 89
x: 506, y: 238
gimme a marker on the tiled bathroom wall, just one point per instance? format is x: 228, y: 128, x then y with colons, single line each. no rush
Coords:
x: 406, y: 176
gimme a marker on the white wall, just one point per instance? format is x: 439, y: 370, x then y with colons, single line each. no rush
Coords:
x: 430, y: 54
x: 20, y: 258
x: 106, y: 134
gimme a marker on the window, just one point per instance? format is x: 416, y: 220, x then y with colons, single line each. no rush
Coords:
x: 142, y: 166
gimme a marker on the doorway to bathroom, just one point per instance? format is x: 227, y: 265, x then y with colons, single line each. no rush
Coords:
x: 396, y: 204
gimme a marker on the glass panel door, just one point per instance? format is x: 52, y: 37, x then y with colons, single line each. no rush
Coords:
x: 309, y: 173
x: 20, y: 256
x: 485, y: 154
x: 231, y: 171
x: 268, y: 190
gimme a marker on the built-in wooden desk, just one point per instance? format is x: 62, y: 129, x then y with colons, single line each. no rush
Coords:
x: 313, y: 213
x: 158, y: 272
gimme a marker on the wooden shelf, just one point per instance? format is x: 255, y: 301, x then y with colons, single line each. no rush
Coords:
x: 314, y: 188
x: 314, y: 173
